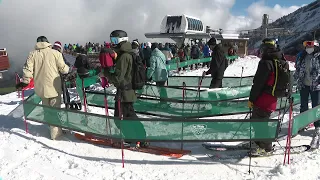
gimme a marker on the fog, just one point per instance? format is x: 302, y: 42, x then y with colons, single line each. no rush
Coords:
x: 80, y: 21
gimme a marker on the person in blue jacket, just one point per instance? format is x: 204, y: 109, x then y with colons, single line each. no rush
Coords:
x: 157, y: 71
x: 206, y: 53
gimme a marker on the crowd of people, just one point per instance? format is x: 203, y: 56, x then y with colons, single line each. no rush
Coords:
x: 118, y: 61
x: 170, y: 50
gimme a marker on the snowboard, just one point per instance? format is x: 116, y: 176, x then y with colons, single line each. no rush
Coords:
x: 175, y: 153
x: 240, y: 151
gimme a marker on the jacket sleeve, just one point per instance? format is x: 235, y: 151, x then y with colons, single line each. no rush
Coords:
x: 28, y: 69
x: 152, y: 67
x: 259, y: 81
x: 214, y: 64
x: 121, y: 69
x: 62, y: 67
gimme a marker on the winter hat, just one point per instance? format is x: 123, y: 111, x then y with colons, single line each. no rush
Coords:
x: 57, y: 44
x: 154, y: 46
x: 149, y: 44
x: 42, y: 39
x: 135, y: 42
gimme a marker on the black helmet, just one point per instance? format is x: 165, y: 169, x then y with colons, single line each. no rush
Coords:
x: 118, y: 36
x: 212, y: 41
x: 42, y: 39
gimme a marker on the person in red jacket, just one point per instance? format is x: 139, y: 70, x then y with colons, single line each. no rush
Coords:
x: 261, y: 100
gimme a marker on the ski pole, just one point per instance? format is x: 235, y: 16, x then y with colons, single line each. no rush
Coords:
x: 250, y: 143
x: 24, y: 117
x: 84, y: 96
x: 288, y: 144
x: 17, y: 82
x: 241, y: 76
x: 183, y: 98
x: 120, y: 118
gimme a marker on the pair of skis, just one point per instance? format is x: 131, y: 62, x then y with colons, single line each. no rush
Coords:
x: 175, y: 153
x: 221, y: 151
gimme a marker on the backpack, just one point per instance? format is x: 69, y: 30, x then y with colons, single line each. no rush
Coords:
x: 138, y: 73
x: 82, y: 61
x: 282, y: 84
x: 106, y: 60
x: 194, y: 52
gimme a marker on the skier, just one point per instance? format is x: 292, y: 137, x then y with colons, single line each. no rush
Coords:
x: 147, y: 54
x: 218, y: 64
x: 123, y: 81
x: 307, y: 75
x: 206, y: 53
x: 262, y: 99
x: 45, y: 64
x: 157, y: 70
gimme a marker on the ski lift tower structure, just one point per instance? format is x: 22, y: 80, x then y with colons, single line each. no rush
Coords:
x: 265, y: 30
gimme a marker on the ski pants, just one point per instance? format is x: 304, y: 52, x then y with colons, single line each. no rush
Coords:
x: 216, y: 83
x: 258, y: 113
x: 51, y: 114
x: 162, y: 91
x: 130, y: 129
x: 304, y: 99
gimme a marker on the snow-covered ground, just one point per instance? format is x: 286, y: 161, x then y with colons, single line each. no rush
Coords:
x: 248, y: 63
x: 35, y: 156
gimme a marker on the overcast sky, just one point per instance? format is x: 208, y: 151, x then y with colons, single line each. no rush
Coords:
x: 22, y: 21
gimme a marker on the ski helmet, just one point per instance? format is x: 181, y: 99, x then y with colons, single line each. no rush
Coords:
x: 118, y: 36
x: 267, y: 43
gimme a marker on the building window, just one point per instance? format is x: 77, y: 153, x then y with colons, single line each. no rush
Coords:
x: 194, y: 24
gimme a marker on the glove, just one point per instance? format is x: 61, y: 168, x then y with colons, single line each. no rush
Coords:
x: 208, y: 72
x: 250, y: 104
x: 21, y: 85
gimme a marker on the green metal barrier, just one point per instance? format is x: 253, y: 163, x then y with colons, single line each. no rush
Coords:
x: 153, y: 129
x: 186, y: 109
x: 193, y: 81
x: 204, y: 95
x: 304, y: 119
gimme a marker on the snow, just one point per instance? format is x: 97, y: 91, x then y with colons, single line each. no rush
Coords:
x: 248, y: 63
x: 35, y: 156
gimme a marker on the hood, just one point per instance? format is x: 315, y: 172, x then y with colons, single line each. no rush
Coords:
x: 42, y: 45
x: 126, y: 47
x: 166, y: 48
x: 156, y: 52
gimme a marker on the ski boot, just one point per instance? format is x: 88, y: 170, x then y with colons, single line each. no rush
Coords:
x: 315, y: 139
x: 142, y: 144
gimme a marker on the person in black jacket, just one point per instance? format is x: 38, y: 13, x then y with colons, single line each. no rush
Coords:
x: 147, y: 54
x: 261, y: 100
x: 218, y: 64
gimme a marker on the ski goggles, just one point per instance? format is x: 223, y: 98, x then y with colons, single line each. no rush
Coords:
x: 270, y: 42
x: 308, y: 43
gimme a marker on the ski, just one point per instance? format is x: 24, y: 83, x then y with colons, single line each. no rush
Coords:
x: 243, y: 152
x: 175, y: 153
x: 223, y: 147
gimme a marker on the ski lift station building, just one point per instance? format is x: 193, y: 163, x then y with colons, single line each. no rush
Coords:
x: 181, y: 27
